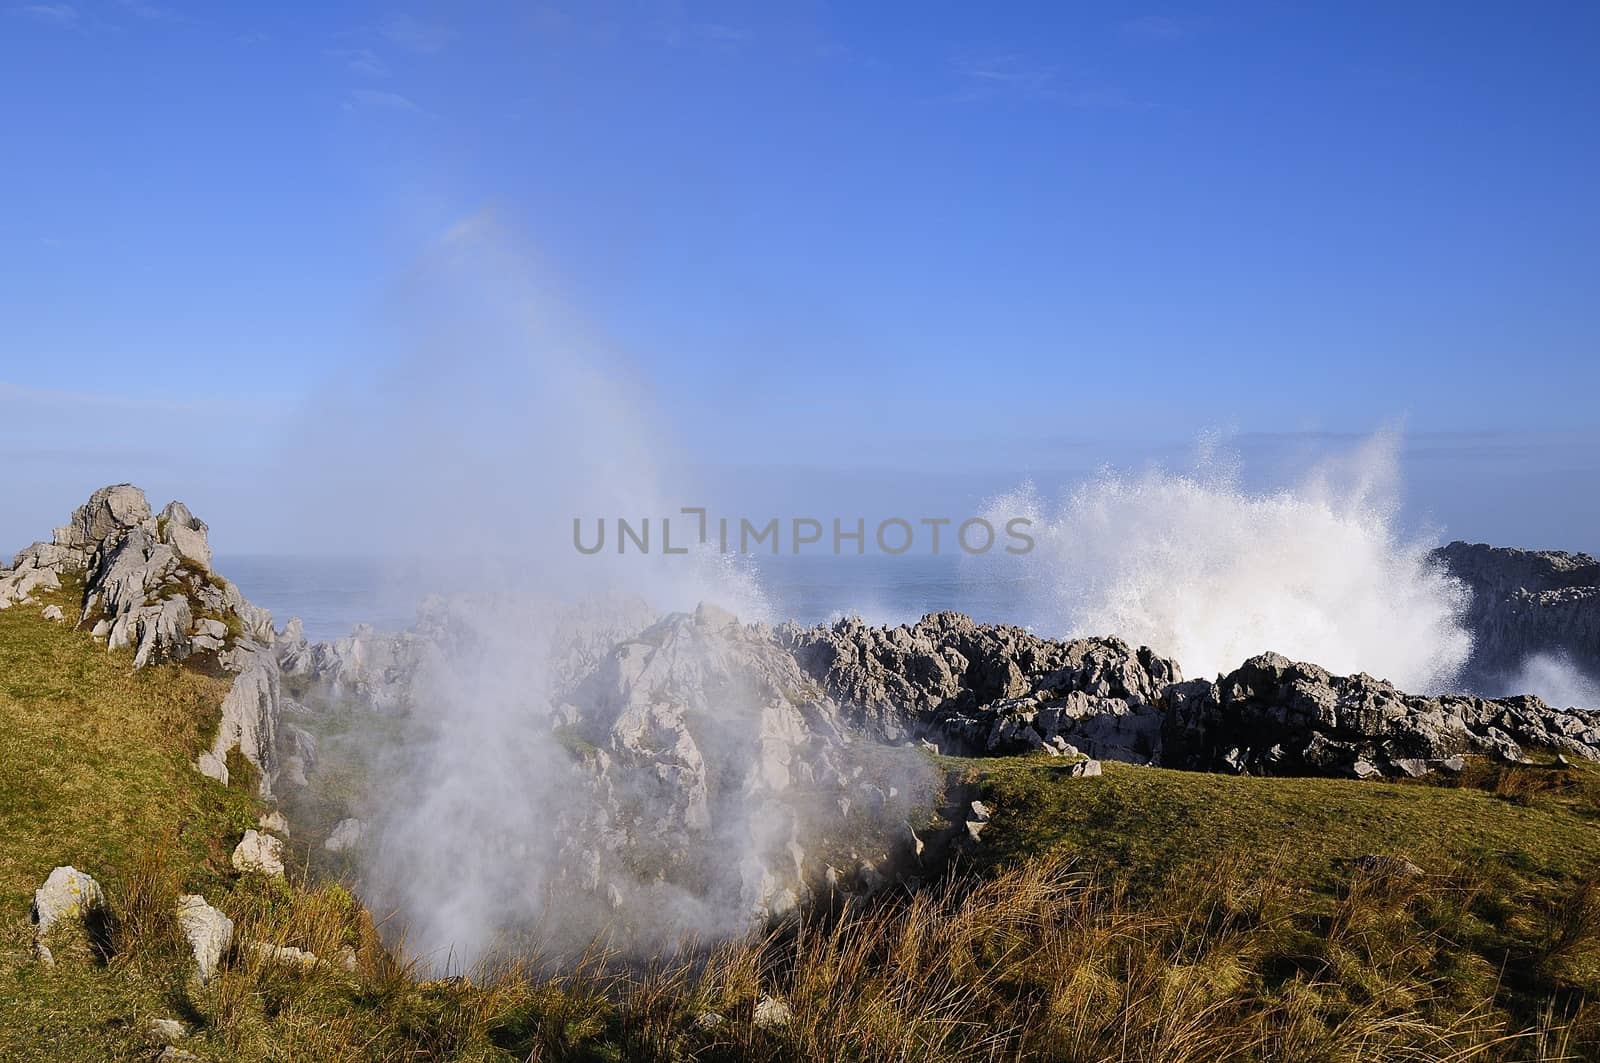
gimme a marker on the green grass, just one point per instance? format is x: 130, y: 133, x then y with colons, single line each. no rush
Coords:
x: 1507, y: 853
x: 96, y: 759
x: 1142, y: 914
x: 95, y: 771
x: 1146, y: 822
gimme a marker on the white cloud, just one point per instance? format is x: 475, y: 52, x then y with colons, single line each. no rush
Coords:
x: 382, y: 101
x: 56, y: 14
x: 1009, y: 71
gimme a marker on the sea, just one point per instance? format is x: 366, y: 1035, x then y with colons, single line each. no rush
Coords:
x: 332, y: 595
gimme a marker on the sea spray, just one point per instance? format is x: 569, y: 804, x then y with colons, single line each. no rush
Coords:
x: 537, y: 789
x: 1556, y: 678
x: 1199, y: 567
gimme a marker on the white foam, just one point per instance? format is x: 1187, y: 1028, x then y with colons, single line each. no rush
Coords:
x: 1199, y: 568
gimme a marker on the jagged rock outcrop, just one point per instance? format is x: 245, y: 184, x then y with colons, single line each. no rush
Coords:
x: 986, y: 689
x: 144, y: 581
x: 978, y: 689
x: 962, y: 676
x: 711, y: 759
x: 346, y: 834
x: 250, y: 717
x: 1273, y: 716
x: 1525, y: 602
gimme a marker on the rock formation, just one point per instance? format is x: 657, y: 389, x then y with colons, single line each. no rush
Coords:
x: 1273, y: 716
x: 988, y: 689
x: 67, y: 896
x: 144, y: 581
x: 983, y: 690
x: 1525, y: 602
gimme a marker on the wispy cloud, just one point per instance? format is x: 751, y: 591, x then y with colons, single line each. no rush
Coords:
x: 64, y: 15
x: 360, y: 61
x: 1008, y: 72
x: 1154, y: 27
x: 413, y: 34
x: 152, y: 12
x: 1012, y: 76
x: 719, y: 36
x: 371, y: 99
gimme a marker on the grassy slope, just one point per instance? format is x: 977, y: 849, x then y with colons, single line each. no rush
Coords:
x: 95, y: 771
x: 1149, y: 820
x: 1510, y: 850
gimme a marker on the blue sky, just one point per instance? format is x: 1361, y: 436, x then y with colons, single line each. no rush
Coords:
x: 928, y: 249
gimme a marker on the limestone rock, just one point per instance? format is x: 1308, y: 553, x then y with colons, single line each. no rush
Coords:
x: 346, y: 834
x: 174, y: 1054
x: 772, y: 1014
x: 276, y: 822
x: 208, y: 932
x: 67, y: 895
x: 287, y: 955
x: 1386, y: 865
x: 185, y: 533
x: 1274, y: 716
x: 257, y: 852
x: 1525, y: 602
x: 250, y: 714
x: 166, y: 1031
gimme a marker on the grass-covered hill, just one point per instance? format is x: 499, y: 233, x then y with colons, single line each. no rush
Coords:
x: 1144, y: 914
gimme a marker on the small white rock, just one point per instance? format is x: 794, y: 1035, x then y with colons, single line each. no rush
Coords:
x: 167, y: 1031
x: 53, y: 612
x: 276, y: 822
x: 66, y: 894
x: 285, y: 954
x: 259, y: 852
x: 772, y: 1014
x: 208, y: 932
x: 347, y: 834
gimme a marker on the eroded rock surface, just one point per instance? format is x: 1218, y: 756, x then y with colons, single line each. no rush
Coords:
x: 1525, y: 602
x: 1273, y: 716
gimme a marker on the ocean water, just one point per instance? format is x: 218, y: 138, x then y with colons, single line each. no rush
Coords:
x: 331, y: 595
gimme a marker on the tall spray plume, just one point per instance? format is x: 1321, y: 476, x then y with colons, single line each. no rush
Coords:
x: 1197, y: 566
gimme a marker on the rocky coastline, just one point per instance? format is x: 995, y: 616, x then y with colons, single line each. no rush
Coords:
x: 647, y: 711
